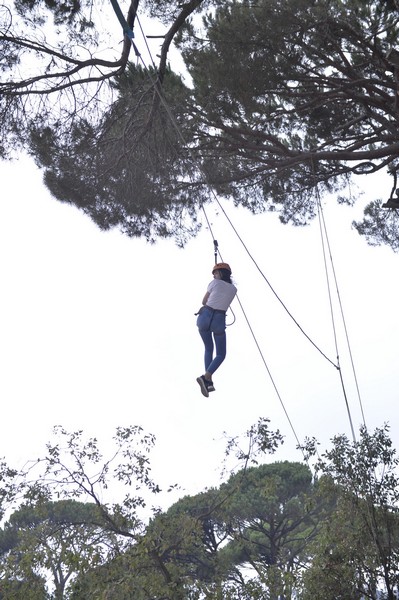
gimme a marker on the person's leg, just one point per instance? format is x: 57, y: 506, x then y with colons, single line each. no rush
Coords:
x: 205, y: 381
x: 218, y: 328
x: 213, y: 329
x: 208, y: 344
x: 220, y: 343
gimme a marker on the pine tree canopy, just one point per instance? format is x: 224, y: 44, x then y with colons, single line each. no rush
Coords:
x: 279, y: 102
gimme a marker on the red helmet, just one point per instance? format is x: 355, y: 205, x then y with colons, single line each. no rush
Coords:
x: 221, y: 266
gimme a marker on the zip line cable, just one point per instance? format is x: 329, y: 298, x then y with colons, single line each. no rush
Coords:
x: 333, y: 320
x: 324, y: 236
x: 345, y: 327
x: 146, y: 43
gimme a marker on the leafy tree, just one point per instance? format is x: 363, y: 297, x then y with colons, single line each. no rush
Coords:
x: 149, y: 569
x: 246, y: 539
x: 33, y: 588
x: 272, y: 516
x: 74, y: 59
x: 357, y: 553
x: 81, y: 529
x: 282, y: 98
x: 60, y: 538
x: 296, y: 97
x: 269, y: 531
x: 120, y: 172
x: 182, y: 549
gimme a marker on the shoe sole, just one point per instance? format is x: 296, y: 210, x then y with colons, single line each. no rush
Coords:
x: 203, y: 387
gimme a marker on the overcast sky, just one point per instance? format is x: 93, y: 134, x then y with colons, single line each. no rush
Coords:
x: 98, y: 330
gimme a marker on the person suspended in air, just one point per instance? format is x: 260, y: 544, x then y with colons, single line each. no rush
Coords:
x: 211, y: 323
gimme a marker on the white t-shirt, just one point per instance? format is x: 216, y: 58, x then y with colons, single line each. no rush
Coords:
x: 221, y: 294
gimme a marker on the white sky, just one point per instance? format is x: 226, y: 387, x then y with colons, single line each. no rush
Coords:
x: 98, y: 330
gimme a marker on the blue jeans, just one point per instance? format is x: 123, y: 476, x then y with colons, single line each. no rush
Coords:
x: 212, y: 329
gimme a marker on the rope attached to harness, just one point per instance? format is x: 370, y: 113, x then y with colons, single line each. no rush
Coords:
x: 215, y: 250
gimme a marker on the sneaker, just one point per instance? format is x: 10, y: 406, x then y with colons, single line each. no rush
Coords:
x: 204, y: 388
x: 210, y: 386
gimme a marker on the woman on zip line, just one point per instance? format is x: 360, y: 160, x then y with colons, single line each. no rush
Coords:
x: 211, y: 322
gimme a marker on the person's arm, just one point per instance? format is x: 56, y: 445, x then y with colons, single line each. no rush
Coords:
x: 205, y: 298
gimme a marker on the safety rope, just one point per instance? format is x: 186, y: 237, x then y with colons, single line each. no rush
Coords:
x: 271, y: 377
x: 325, y: 242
